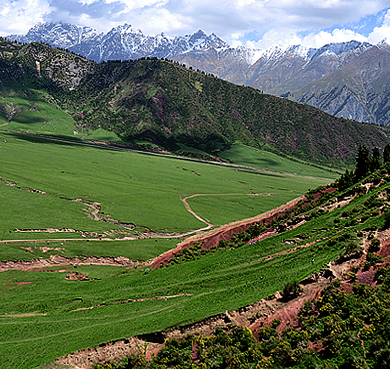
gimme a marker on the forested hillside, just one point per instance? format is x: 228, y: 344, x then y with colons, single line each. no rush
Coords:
x: 168, y: 104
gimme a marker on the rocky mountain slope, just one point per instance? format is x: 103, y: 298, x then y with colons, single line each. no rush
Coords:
x: 359, y: 90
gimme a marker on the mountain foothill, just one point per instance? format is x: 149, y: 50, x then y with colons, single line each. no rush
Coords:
x: 346, y: 79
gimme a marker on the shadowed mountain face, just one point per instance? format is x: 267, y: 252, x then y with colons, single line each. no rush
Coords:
x: 167, y: 104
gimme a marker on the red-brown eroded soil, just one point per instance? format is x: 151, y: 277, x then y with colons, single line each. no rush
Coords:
x: 384, y: 238
x: 287, y: 312
x: 23, y: 283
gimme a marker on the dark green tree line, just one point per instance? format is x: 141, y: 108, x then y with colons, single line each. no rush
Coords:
x: 366, y: 163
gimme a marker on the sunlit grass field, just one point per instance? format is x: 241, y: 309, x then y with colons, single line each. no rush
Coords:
x: 18, y: 113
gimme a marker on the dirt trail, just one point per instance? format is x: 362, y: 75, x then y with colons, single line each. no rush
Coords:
x: 267, y: 215
x: 212, y: 237
x: 93, y: 212
x: 188, y: 208
x: 207, y: 222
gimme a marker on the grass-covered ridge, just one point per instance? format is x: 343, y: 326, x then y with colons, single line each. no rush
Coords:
x: 158, y: 100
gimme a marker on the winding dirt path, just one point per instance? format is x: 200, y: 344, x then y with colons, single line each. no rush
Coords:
x: 206, y: 221
x: 188, y: 208
x: 94, y: 209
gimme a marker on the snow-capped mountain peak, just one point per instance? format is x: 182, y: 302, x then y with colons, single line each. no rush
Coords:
x: 339, y: 48
x: 59, y: 34
x: 126, y: 29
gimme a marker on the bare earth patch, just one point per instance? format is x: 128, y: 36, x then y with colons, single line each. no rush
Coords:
x: 56, y: 260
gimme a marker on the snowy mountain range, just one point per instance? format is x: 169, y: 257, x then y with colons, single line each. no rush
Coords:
x: 126, y: 42
x: 121, y: 43
x: 327, y: 77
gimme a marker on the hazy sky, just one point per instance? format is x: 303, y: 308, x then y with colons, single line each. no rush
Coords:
x: 255, y: 23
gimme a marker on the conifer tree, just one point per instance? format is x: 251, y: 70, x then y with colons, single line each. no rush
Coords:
x: 376, y: 162
x: 346, y: 180
x: 363, y: 162
x: 386, y: 154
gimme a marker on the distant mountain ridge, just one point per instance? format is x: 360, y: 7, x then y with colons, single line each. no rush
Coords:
x: 326, y: 77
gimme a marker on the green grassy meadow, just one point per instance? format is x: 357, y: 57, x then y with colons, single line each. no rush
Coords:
x: 141, y: 189
x: 216, y: 283
x: 38, y: 317
x: 39, y: 321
